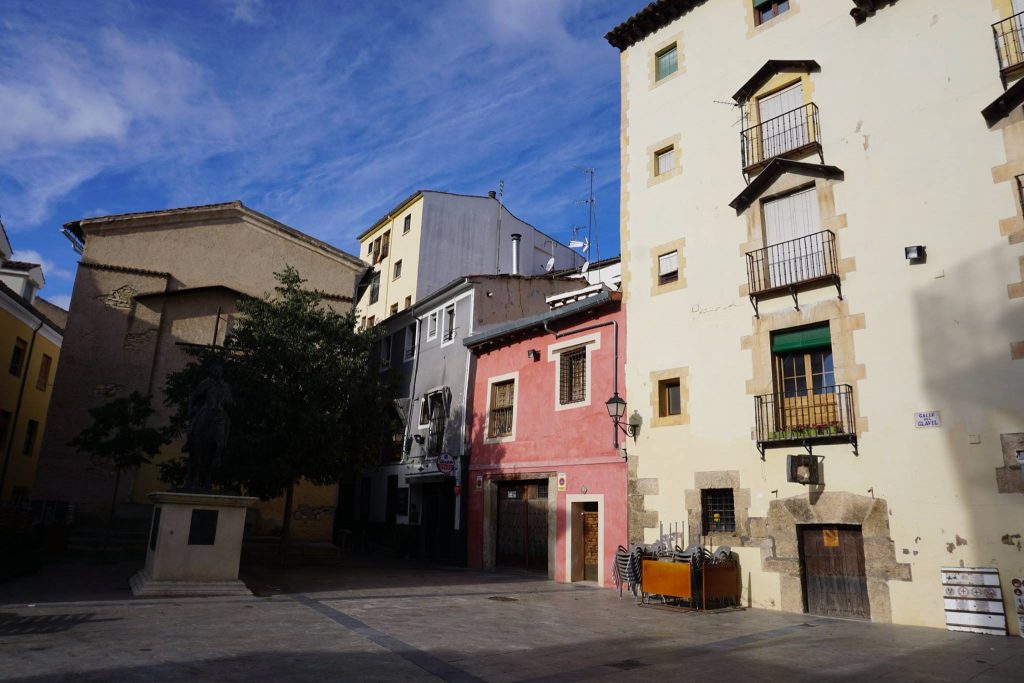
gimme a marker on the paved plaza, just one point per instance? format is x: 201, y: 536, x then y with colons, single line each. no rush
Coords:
x: 388, y: 622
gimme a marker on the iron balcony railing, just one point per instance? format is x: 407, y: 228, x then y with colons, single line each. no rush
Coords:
x: 501, y: 422
x: 1009, y: 37
x: 781, y: 135
x: 801, y: 260
x: 821, y: 413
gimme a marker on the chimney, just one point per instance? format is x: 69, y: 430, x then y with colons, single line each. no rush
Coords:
x: 515, y: 252
x: 492, y: 194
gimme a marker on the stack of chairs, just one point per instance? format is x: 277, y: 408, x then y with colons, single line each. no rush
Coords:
x: 626, y: 570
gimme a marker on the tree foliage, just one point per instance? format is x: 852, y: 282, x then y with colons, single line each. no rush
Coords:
x: 308, y: 403
x: 119, y: 435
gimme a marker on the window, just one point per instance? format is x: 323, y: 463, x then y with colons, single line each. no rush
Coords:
x: 449, y: 322
x: 30, y: 437
x: 394, y: 309
x: 434, y: 412
x: 409, y: 349
x: 668, y: 397
x: 375, y: 288
x: 718, y: 512
x: 385, y: 352
x: 572, y: 376
x: 407, y: 226
x: 397, y: 272
x: 18, y: 357
x: 668, y: 268
x: 432, y: 326
x: 664, y: 160
x: 408, y: 302
x: 363, y: 324
x: 502, y: 400
x: 385, y: 242
x: 666, y: 62
x: 371, y: 321
x: 793, y: 238
x: 375, y: 251
x: 5, y: 425
x: 43, y: 380
x: 766, y: 10
x: 805, y: 384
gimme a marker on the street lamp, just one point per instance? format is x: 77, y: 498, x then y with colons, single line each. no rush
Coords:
x: 616, y: 409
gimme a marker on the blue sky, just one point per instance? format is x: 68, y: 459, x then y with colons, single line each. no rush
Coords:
x: 320, y: 114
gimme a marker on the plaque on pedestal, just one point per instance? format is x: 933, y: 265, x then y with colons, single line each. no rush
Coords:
x: 195, y: 543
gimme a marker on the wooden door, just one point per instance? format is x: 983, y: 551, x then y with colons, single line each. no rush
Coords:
x: 591, y: 534
x: 522, y: 538
x: 805, y: 389
x: 834, y: 576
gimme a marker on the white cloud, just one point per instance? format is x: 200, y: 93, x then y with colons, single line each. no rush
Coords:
x: 50, y: 269
x: 243, y: 11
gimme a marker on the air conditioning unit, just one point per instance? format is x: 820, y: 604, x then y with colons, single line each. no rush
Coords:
x: 804, y: 469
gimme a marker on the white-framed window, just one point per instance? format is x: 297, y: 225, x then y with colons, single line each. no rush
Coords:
x: 666, y: 62
x: 409, y: 347
x: 434, y: 416
x: 664, y: 160
x: 448, y: 323
x: 407, y: 225
x: 432, y: 321
x: 397, y: 273
x: 668, y: 267
x: 572, y: 366
x: 502, y: 401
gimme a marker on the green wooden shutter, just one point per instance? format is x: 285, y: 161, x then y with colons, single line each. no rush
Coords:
x: 798, y: 340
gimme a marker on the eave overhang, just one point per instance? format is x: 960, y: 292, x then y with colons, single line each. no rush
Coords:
x: 768, y: 71
x: 650, y: 19
x: 1001, y: 107
x: 773, y: 171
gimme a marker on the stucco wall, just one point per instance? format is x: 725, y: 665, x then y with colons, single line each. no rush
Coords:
x: 899, y: 99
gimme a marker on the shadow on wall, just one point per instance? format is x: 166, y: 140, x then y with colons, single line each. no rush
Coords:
x: 971, y: 378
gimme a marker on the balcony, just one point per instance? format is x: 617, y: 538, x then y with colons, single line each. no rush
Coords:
x: 1009, y: 38
x: 823, y: 414
x: 793, y: 265
x: 792, y: 134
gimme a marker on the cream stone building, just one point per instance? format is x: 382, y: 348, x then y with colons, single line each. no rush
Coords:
x: 148, y: 285
x: 841, y: 303
x: 430, y: 238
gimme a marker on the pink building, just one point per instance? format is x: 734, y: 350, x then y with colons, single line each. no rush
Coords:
x: 547, y: 475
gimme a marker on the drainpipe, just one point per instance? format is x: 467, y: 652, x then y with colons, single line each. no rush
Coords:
x: 515, y: 252
x: 615, y: 360
x: 17, y: 408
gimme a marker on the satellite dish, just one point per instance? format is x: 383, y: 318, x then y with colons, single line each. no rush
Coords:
x: 549, y: 265
x: 585, y: 268
x: 575, y: 244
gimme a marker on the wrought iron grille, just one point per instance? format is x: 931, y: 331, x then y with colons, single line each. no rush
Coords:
x: 438, y: 423
x: 788, y: 263
x: 502, y: 399
x: 1009, y: 37
x: 814, y: 413
x: 572, y: 376
x: 718, y: 511
x: 780, y: 135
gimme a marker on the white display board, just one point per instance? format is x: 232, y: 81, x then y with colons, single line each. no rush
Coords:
x: 973, y: 600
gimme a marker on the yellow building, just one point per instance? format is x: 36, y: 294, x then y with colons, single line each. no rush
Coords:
x: 827, y: 327
x: 29, y: 348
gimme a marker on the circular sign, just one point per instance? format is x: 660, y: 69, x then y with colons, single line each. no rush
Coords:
x: 445, y: 463
x: 1016, y: 583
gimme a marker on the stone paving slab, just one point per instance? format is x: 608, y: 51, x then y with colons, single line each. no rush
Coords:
x: 389, y: 622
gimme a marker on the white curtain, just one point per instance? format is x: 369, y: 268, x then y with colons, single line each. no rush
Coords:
x: 783, y: 121
x: 789, y: 258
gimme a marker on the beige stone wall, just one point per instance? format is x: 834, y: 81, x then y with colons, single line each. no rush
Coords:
x: 115, y: 343
x: 404, y: 247
x: 901, y: 117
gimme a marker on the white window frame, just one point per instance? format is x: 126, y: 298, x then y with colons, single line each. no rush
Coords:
x: 396, y: 270
x: 662, y: 272
x: 433, y: 323
x: 450, y: 334
x: 591, y: 342
x: 670, y: 150
x: 491, y: 381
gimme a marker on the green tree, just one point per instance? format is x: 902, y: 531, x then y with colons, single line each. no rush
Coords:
x: 308, y: 403
x: 119, y: 437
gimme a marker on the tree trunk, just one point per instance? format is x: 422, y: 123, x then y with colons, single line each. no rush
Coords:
x: 286, y: 524
x: 113, y: 511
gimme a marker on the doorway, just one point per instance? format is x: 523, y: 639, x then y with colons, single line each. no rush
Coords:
x: 833, y: 571
x: 522, y: 538
x: 584, y: 547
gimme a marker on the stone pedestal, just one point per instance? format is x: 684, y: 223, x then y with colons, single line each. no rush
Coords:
x: 195, y: 542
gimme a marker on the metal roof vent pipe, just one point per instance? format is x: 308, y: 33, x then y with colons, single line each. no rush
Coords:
x: 515, y: 252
